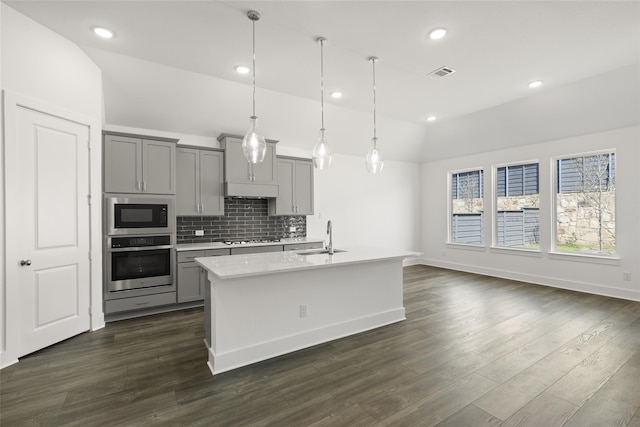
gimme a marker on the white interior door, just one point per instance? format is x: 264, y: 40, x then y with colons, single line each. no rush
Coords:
x: 48, y: 228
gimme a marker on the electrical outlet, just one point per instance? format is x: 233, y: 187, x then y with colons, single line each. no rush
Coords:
x: 626, y: 276
x: 303, y: 311
x: 199, y: 232
x: 292, y: 229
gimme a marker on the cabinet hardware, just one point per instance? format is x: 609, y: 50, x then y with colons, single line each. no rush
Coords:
x: 26, y: 262
x: 144, y: 186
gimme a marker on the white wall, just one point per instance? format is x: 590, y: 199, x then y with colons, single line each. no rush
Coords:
x: 39, y: 64
x: 3, y: 309
x: 580, y: 273
x: 367, y: 210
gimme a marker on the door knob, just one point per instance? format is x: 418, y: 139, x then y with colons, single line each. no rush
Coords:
x: 25, y: 262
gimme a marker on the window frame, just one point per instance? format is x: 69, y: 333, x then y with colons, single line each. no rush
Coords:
x: 450, y: 199
x: 554, y: 252
x: 494, y: 205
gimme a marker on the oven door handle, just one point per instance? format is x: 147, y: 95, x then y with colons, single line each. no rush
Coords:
x: 140, y: 248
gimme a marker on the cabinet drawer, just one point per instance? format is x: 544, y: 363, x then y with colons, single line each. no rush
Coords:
x: 217, y: 252
x: 256, y: 250
x: 189, y: 256
x: 137, y: 303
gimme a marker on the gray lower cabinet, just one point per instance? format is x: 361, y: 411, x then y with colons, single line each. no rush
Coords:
x: 295, y: 182
x: 191, y: 279
x: 139, y: 303
x: 256, y: 249
x: 302, y: 246
x: 245, y: 179
x: 200, y: 182
x: 139, y: 164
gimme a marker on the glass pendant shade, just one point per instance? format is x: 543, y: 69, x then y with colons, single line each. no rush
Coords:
x: 254, y: 145
x: 374, y: 160
x: 322, y: 155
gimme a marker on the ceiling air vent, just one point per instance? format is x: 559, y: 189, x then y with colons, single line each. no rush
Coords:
x: 441, y: 72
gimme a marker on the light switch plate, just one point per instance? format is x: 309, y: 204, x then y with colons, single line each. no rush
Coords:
x: 199, y: 232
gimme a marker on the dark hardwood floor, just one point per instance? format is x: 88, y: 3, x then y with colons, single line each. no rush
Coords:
x: 474, y: 351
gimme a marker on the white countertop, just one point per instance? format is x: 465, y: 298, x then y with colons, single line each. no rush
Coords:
x: 219, y: 245
x: 235, y: 266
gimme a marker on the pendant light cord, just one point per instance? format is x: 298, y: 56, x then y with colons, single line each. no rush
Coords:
x: 373, y: 61
x: 322, y: 82
x: 253, y: 23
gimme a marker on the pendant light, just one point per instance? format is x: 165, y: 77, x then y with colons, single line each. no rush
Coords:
x: 374, y: 160
x: 254, y: 145
x: 321, y: 151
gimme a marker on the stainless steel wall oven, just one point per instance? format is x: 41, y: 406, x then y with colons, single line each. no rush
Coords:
x: 139, y: 265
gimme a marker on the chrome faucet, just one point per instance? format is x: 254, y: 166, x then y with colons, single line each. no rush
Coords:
x: 330, y: 233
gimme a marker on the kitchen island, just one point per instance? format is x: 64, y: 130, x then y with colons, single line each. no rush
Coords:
x: 263, y: 305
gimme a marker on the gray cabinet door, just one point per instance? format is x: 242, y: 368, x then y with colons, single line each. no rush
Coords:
x: 137, y: 165
x: 158, y: 167
x: 236, y: 166
x: 200, y: 187
x: 303, y: 187
x: 190, y: 286
x: 265, y: 172
x: 187, y: 182
x: 211, y: 183
x: 284, y: 203
x: 122, y: 164
x: 295, y: 182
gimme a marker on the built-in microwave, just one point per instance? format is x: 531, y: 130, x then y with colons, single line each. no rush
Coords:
x: 139, y: 215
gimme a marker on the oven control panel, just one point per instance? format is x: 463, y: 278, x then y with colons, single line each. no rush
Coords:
x: 139, y: 241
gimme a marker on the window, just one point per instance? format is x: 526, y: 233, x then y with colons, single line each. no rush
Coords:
x: 517, y: 206
x: 585, y: 204
x: 467, y: 207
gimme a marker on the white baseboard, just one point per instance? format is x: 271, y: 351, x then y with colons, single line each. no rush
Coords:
x: 537, y: 279
x: 219, y: 363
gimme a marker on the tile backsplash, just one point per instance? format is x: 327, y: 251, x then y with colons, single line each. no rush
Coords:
x: 244, y: 219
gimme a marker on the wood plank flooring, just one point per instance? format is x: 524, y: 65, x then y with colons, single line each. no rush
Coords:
x: 474, y: 351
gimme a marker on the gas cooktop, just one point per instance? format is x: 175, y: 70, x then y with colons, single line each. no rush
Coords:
x: 246, y: 242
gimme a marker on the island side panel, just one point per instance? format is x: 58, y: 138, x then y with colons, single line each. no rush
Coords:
x: 259, y: 317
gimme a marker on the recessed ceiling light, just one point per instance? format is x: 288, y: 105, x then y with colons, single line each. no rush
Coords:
x: 103, y: 32
x: 336, y: 94
x: 431, y: 118
x: 438, y: 33
x: 536, y: 83
x: 242, y: 69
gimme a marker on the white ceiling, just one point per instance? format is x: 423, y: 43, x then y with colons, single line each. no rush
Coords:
x: 171, y: 65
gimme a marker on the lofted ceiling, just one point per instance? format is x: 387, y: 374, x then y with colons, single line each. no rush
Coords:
x: 171, y: 64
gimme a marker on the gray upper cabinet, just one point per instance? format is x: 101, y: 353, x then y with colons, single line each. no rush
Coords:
x: 200, y: 182
x: 136, y: 164
x: 295, y: 180
x: 244, y: 179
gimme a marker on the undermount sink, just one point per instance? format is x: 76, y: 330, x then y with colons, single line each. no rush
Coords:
x: 319, y: 252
